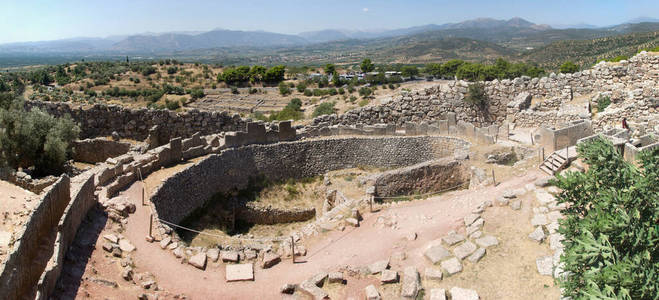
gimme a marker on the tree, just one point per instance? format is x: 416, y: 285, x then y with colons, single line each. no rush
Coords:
x: 367, y: 65
x: 451, y: 67
x: 476, y: 95
x: 326, y: 108
x: 35, y: 138
x: 329, y: 69
x: 434, y: 69
x: 409, y: 71
x: 275, y: 74
x: 569, y: 67
x: 256, y: 73
x: 610, y: 226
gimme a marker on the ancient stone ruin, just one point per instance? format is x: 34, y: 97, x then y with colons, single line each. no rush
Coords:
x: 407, y: 196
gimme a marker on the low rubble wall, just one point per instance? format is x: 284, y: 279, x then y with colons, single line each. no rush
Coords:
x: 231, y: 169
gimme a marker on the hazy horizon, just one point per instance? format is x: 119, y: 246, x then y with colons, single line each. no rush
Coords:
x: 29, y: 21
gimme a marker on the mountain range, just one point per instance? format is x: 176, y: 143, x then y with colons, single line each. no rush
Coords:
x: 485, y: 29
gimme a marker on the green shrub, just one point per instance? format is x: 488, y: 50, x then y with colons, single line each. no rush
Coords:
x: 308, y: 92
x: 326, y: 108
x: 35, y: 138
x: 476, y: 95
x: 301, y: 87
x: 363, y: 102
x: 365, y: 91
x: 603, y: 103
x: 234, y: 90
x: 284, y: 89
x: 610, y: 226
x: 569, y: 67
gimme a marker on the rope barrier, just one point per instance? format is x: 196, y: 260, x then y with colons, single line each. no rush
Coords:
x: 214, y: 235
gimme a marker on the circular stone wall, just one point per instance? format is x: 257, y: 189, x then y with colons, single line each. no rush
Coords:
x: 231, y: 169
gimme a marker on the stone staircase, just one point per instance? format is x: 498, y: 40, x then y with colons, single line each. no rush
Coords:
x: 555, y: 162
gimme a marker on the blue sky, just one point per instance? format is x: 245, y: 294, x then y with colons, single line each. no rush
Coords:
x: 27, y: 20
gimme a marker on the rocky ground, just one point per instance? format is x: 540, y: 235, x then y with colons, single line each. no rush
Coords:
x: 15, y: 207
x: 483, y: 242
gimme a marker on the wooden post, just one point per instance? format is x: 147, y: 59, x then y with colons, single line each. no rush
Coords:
x: 151, y: 226
x: 494, y: 180
x: 532, y: 143
x: 370, y: 203
x: 543, y: 153
x: 293, y: 248
x: 507, y: 131
x: 143, y: 193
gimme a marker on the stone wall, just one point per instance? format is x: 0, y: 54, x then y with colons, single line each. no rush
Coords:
x: 82, y: 200
x: 631, y: 80
x: 256, y: 214
x: 231, y: 169
x: 101, y: 120
x: 552, y: 139
x: 98, y: 149
x: 426, y: 177
x: 25, y: 263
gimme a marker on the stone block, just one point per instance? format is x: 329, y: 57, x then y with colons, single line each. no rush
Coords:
x: 433, y: 274
x: 437, y: 294
x: 389, y: 276
x: 464, y: 250
x: 545, y: 265
x: 378, y: 266
x: 477, y: 255
x: 410, y: 283
x: 239, y: 272
x: 452, y: 266
x: 436, y: 253
x: 372, y: 293
x: 270, y: 259
x: 487, y: 241
x: 453, y: 238
x: 463, y: 294
x: 336, y: 277
x: 229, y: 256
x: 198, y: 260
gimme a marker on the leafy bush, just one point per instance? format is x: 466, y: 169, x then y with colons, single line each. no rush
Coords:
x: 308, y: 92
x: 363, y: 102
x: 197, y: 93
x: 365, y: 91
x: 611, y: 234
x: 326, y: 108
x: 284, y: 89
x: 569, y: 67
x: 603, y: 103
x: 172, y: 105
x: 35, y: 138
x: 476, y: 95
x: 292, y: 111
x: 301, y: 87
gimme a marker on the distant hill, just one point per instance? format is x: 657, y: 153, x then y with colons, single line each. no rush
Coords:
x: 481, y: 39
x: 211, y: 39
x: 586, y: 52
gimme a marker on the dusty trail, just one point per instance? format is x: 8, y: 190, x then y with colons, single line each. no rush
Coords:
x: 430, y: 219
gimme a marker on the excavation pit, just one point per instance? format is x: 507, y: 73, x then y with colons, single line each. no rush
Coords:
x: 185, y: 198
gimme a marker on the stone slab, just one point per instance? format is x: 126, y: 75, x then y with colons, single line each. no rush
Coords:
x: 239, y: 272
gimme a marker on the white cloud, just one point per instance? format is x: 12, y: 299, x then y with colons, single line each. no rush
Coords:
x: 365, y: 9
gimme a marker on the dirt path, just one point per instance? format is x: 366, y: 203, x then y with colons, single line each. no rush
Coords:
x: 430, y: 219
